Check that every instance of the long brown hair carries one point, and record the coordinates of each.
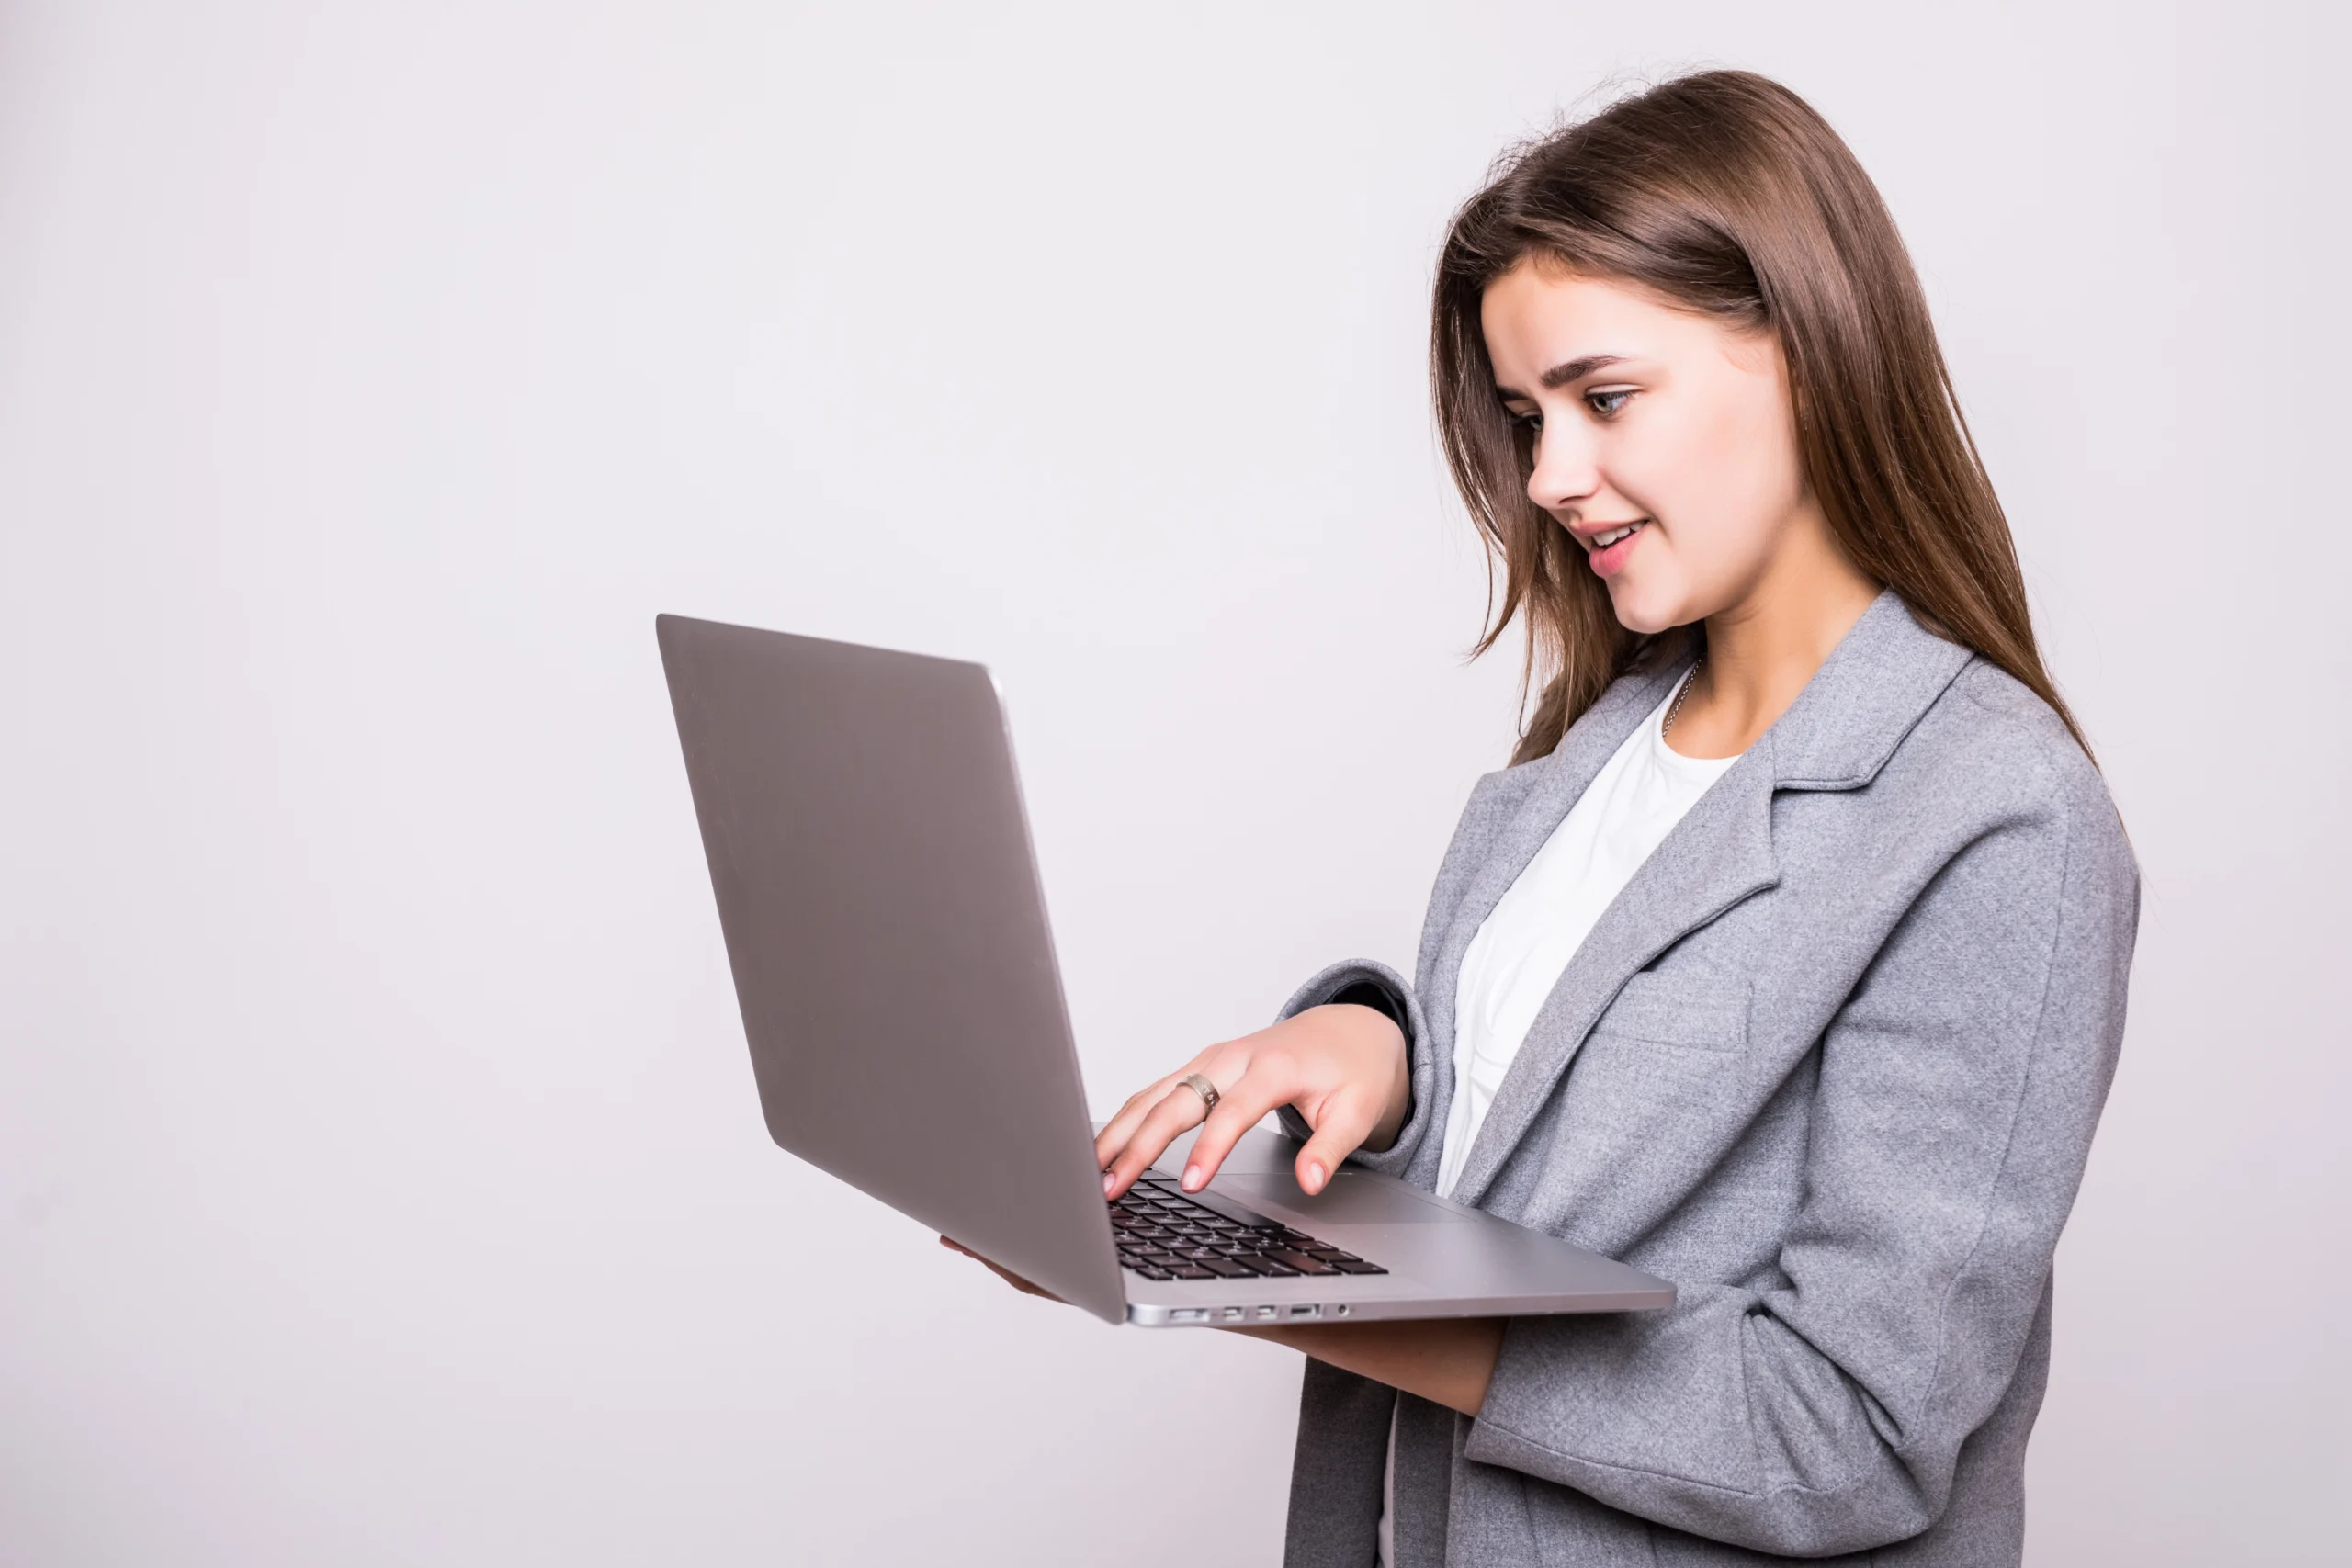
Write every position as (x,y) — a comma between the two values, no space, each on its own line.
(1725,192)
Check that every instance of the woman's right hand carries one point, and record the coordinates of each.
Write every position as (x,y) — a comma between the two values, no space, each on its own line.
(1345,1068)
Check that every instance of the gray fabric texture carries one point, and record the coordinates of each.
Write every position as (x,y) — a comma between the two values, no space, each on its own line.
(1831,1063)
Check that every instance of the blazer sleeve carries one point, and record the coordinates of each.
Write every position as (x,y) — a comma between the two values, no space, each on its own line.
(1334,983)
(1821,1408)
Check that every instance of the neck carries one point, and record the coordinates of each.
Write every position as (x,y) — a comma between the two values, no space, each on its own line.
(1762,650)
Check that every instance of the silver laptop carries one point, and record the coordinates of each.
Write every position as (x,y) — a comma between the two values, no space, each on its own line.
(888,934)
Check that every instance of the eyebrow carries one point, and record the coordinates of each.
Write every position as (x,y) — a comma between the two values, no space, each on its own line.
(1562,374)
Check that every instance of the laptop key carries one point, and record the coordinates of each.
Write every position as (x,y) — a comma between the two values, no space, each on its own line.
(1304,1264)
(1223,1268)
(1358,1265)
(1190,1271)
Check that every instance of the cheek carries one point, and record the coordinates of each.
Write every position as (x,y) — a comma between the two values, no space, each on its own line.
(1720,482)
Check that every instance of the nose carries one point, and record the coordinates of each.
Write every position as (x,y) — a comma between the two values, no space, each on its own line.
(1567,470)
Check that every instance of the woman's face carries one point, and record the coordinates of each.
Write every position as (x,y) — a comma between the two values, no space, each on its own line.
(1664,443)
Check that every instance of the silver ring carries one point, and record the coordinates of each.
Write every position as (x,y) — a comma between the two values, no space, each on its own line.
(1202,1087)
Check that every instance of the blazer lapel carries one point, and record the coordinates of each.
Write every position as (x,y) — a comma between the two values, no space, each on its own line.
(1565,774)
(1716,856)
(1837,734)
(1568,772)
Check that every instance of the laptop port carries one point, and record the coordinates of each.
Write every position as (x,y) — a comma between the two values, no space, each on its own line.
(1232,1315)
(1188,1315)
(1307,1309)
(1266,1312)
(1341,1309)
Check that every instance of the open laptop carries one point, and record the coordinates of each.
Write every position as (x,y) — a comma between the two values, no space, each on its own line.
(887,929)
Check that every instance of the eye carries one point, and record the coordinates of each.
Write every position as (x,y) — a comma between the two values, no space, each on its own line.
(1607,403)
(1530,421)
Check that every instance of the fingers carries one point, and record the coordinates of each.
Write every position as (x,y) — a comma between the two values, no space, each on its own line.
(1178,1111)
(1339,1065)
(1342,1120)
(1154,1118)
(1238,1109)
(1118,1132)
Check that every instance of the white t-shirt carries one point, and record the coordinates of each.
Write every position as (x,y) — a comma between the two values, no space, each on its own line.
(1515,960)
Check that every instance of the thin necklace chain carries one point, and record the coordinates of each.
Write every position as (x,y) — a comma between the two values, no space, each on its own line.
(1688,681)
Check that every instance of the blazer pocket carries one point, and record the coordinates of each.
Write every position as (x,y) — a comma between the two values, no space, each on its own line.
(1671,1009)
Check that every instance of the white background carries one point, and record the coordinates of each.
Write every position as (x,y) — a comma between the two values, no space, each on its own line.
(381,1178)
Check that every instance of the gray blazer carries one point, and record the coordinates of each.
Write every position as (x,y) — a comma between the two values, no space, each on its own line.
(1831,1063)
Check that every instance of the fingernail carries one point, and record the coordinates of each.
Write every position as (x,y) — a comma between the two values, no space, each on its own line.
(1110,1179)
(1192,1179)
(1314,1176)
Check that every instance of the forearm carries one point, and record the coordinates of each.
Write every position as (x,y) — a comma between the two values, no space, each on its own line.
(1448,1361)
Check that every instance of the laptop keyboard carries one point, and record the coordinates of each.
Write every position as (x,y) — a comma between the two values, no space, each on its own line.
(1165,1234)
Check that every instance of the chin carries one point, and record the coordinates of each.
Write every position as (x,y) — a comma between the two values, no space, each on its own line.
(1646,608)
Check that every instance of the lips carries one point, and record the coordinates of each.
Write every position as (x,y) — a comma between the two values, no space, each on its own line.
(1608,550)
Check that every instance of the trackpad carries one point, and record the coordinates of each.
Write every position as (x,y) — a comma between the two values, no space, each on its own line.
(1349,1199)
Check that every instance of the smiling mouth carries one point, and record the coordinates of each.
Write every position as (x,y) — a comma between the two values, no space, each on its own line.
(1597,542)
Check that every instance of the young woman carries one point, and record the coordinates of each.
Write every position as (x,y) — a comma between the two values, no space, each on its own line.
(1787,960)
